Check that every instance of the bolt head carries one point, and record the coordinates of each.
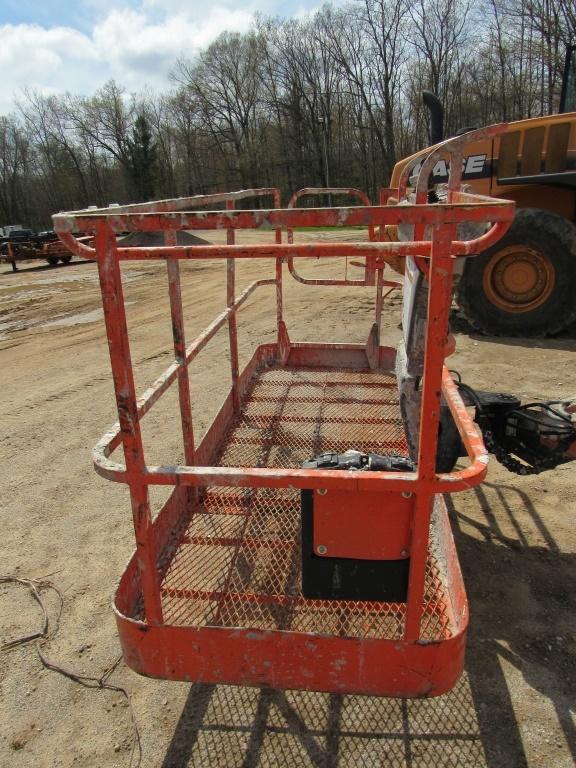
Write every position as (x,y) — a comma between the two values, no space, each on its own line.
(321,549)
(322,491)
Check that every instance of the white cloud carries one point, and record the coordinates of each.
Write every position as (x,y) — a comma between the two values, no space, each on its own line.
(136,46)
(192,9)
(132,43)
(135,42)
(46,59)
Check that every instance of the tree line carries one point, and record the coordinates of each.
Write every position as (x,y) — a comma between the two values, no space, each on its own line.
(333,99)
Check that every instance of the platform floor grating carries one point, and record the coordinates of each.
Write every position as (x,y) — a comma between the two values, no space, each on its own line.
(238,562)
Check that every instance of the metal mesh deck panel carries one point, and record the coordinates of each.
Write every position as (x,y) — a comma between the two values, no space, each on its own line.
(238,562)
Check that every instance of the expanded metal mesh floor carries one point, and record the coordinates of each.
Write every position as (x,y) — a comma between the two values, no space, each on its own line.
(231,726)
(238,562)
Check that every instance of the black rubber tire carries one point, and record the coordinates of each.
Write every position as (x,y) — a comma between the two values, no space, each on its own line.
(450,446)
(554,237)
(66,259)
(52,260)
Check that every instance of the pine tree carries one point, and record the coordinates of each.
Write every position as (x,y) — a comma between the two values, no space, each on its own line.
(142,150)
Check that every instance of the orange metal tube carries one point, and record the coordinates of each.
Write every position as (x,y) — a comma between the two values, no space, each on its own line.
(179,338)
(439,300)
(184,203)
(117,332)
(78,248)
(232,325)
(290,217)
(267,251)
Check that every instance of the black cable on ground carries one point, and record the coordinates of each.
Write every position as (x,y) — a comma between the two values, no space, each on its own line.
(35,587)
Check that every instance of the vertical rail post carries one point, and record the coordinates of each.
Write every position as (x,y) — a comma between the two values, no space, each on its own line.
(124,388)
(279,298)
(279,291)
(232,325)
(179,337)
(379,302)
(439,300)
(373,342)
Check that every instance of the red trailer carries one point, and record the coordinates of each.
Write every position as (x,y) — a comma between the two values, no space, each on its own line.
(228,583)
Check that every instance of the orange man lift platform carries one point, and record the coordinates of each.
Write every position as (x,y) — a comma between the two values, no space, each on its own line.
(264,567)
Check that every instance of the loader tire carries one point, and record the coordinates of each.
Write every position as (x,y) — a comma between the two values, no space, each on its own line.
(66,259)
(525,285)
(52,260)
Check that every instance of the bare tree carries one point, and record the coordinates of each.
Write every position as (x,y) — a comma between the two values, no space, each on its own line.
(441,39)
(331,98)
(14,152)
(225,84)
(57,149)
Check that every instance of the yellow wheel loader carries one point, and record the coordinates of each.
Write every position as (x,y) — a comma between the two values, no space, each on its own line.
(526,284)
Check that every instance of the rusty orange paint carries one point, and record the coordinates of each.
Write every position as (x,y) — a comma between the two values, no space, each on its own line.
(211,593)
(376,529)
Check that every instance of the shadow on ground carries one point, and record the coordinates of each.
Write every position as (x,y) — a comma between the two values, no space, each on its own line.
(35,267)
(519,598)
(564,340)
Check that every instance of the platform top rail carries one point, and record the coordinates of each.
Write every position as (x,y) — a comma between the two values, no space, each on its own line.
(180,213)
(424,218)
(174,204)
(461,207)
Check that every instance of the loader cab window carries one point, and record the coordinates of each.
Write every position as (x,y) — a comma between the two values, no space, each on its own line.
(568,96)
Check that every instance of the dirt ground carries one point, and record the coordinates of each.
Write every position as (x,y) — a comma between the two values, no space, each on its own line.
(514,705)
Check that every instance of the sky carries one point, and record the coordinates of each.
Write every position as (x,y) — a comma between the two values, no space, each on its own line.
(54,46)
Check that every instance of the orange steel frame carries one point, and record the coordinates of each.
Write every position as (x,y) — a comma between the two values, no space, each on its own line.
(406,662)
